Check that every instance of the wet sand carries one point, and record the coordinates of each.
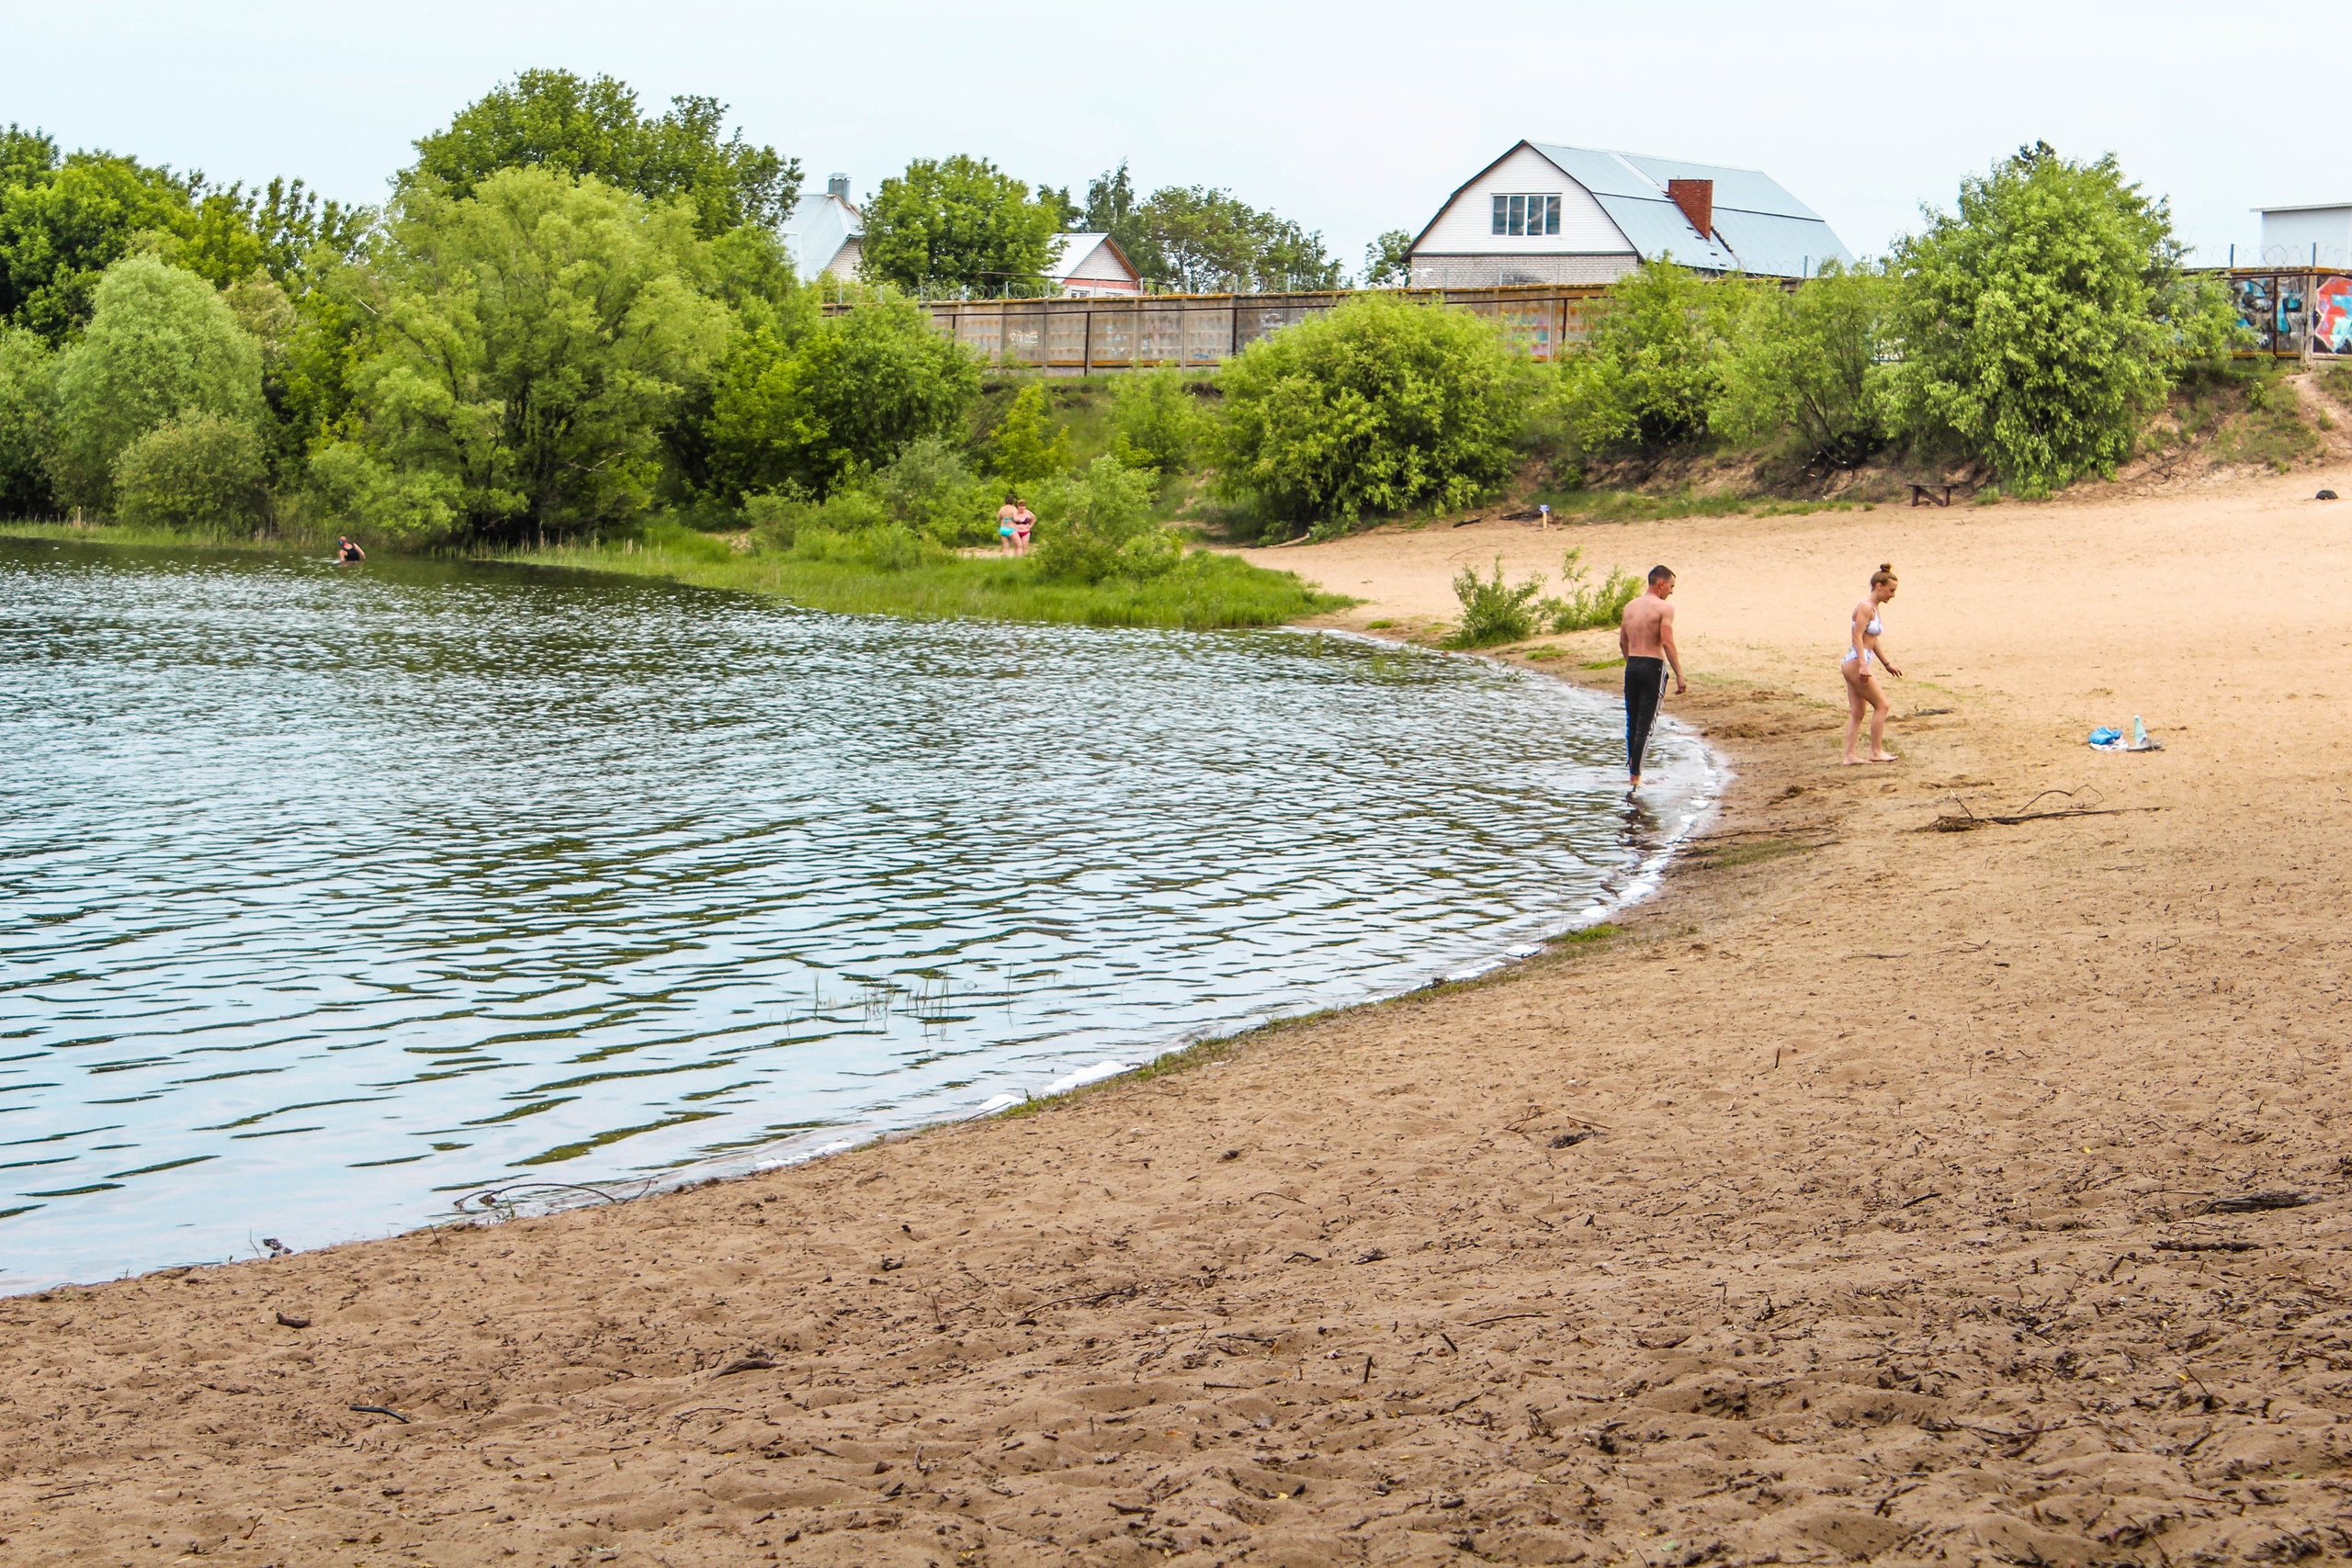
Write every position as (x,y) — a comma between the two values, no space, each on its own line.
(1855,1200)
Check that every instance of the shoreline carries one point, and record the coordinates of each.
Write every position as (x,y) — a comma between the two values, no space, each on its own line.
(1855,1198)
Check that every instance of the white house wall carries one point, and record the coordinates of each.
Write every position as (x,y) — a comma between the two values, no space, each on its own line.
(2287,238)
(1466,226)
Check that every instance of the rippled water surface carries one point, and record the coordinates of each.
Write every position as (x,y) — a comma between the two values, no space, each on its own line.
(335,894)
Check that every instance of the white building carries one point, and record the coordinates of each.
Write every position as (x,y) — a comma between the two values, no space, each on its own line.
(2314,236)
(825,234)
(1089,265)
(1542,213)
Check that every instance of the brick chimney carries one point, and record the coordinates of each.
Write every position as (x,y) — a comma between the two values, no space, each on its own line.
(1697,199)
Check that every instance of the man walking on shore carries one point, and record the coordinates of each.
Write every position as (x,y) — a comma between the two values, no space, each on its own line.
(1646,636)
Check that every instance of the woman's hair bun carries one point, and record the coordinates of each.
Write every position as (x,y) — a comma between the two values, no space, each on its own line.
(1886,566)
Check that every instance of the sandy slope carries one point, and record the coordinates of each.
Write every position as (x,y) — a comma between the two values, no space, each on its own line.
(1889,1238)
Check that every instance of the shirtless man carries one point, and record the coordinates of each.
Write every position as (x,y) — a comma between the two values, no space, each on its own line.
(1646,636)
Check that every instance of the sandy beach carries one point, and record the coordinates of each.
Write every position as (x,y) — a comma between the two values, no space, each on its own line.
(1874,1191)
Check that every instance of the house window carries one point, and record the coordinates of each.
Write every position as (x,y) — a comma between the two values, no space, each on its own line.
(1527,215)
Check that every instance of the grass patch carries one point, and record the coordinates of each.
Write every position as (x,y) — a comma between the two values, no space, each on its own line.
(1542,654)
(1633,506)
(1602,664)
(1588,935)
(1377,626)
(170,538)
(1754,852)
(1206,592)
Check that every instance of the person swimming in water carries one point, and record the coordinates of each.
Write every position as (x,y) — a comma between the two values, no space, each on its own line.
(1864,658)
(345,551)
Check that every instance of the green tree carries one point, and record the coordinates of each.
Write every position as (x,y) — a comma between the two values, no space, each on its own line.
(2044,320)
(283,229)
(1155,424)
(1096,523)
(1025,447)
(846,399)
(26,432)
(1652,363)
(535,337)
(162,344)
(1810,366)
(1388,260)
(959,222)
(64,223)
(555,120)
(1195,239)
(1380,405)
(204,472)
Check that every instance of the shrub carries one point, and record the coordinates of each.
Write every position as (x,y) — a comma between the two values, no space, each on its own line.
(1097,525)
(1585,606)
(161,345)
(2043,320)
(889,547)
(781,520)
(931,489)
(1154,422)
(366,494)
(1378,406)
(851,395)
(1493,611)
(1807,366)
(1652,365)
(202,472)
(1025,449)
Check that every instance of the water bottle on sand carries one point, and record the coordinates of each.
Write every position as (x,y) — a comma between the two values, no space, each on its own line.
(2139,733)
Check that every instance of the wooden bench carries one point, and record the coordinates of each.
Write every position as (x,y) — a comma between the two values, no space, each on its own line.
(1931,495)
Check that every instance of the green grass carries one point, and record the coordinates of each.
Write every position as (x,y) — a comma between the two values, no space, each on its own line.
(169,539)
(1208,591)
(1632,506)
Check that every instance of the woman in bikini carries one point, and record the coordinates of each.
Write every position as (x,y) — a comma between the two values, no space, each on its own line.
(1865,659)
(1023,521)
(1005,516)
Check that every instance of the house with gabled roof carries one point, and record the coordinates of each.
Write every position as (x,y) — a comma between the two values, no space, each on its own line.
(1545,213)
(1091,264)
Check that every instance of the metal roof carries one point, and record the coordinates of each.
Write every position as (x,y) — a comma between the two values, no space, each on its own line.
(1759,227)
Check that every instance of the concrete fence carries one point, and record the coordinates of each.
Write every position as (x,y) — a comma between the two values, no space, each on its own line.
(1082,336)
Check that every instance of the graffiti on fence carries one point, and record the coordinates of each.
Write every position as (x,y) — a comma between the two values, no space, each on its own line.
(2332,316)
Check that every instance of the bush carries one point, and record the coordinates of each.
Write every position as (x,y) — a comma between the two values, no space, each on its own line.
(160,345)
(1585,606)
(204,472)
(1808,366)
(851,396)
(1097,525)
(2044,321)
(1154,422)
(1493,611)
(931,489)
(1652,365)
(1378,406)
(1025,450)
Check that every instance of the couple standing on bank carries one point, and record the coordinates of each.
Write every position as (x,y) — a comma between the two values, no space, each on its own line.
(1646,636)
(1013,521)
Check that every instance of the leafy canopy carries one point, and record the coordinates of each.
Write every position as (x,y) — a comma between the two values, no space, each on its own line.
(2043,320)
(1097,524)
(958,222)
(1807,367)
(1377,406)
(1388,260)
(1154,422)
(162,344)
(555,120)
(1653,361)
(1195,239)
(535,337)
(26,424)
(202,472)
(1025,448)
(847,397)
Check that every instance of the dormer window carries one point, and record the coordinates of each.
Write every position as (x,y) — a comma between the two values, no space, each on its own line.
(1527,215)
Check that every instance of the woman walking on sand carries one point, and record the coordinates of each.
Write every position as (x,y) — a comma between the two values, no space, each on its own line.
(1864,658)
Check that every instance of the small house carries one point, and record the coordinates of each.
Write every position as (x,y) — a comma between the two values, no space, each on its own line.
(1545,213)
(1089,265)
(825,234)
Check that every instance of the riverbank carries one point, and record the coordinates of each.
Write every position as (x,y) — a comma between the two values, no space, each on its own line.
(1208,591)
(1856,1199)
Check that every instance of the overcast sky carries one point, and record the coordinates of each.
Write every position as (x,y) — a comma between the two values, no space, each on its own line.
(1351,118)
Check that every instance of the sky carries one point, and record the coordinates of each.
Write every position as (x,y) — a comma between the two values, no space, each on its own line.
(1350,120)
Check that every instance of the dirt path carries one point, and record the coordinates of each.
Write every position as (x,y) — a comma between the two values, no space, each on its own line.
(1856,1201)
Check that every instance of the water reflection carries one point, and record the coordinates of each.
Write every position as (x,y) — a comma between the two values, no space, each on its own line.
(333,893)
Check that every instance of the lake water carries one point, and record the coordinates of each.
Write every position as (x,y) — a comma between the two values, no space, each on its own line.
(337,895)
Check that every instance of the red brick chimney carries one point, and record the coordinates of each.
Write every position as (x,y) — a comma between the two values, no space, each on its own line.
(1697,199)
